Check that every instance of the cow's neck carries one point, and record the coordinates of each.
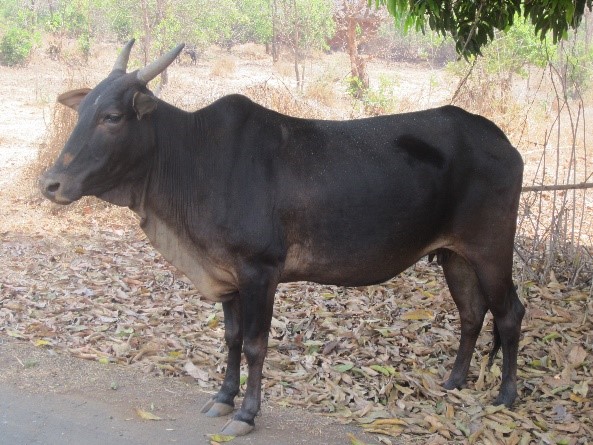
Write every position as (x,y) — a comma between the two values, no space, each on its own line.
(128,194)
(175,172)
(172,168)
(169,198)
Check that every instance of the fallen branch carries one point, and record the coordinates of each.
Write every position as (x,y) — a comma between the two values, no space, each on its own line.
(550,188)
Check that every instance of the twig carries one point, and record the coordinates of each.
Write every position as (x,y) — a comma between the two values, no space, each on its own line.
(558,187)
(19,360)
(463,82)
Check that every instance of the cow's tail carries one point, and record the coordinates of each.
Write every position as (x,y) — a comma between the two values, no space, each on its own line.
(495,345)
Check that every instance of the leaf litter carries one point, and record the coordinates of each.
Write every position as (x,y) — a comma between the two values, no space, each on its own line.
(375,355)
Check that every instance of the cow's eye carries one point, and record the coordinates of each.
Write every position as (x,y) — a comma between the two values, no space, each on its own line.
(113,118)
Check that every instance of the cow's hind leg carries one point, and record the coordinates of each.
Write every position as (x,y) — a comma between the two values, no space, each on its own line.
(508,312)
(223,402)
(472,305)
(494,269)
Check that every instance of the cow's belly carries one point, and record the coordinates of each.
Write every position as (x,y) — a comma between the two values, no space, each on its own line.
(363,248)
(212,281)
(350,269)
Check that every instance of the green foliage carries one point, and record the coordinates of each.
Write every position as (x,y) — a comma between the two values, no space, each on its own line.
(215,22)
(166,33)
(414,45)
(255,20)
(121,23)
(574,63)
(473,24)
(84,45)
(309,21)
(69,17)
(13,14)
(16,46)
(517,48)
(375,101)
(203,22)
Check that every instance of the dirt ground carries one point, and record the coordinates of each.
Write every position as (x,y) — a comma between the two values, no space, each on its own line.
(48,397)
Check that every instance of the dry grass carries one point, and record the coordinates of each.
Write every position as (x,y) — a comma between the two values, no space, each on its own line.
(223,66)
(284,68)
(492,97)
(282,100)
(322,91)
(62,123)
(251,51)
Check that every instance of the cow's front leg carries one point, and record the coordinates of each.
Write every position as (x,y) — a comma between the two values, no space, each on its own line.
(223,402)
(257,300)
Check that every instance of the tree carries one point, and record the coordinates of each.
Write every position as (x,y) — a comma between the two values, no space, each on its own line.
(303,25)
(472,24)
(358,21)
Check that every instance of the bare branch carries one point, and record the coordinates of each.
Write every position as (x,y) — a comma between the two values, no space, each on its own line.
(551,188)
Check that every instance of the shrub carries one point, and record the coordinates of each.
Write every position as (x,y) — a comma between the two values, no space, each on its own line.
(16,46)
(84,45)
(374,101)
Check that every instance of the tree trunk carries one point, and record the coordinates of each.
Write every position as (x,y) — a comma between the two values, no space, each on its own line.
(275,49)
(295,45)
(147,33)
(357,62)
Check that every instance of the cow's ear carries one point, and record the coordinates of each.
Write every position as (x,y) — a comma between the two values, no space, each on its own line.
(73,98)
(143,104)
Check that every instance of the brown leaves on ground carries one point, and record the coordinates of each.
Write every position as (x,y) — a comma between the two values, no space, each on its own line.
(373,355)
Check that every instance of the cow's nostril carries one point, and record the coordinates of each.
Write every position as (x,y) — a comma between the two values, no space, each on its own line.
(53,187)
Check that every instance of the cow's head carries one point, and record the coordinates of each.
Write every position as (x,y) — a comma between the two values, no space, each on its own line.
(113,136)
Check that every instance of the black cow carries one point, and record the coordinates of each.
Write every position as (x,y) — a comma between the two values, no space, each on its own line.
(241,198)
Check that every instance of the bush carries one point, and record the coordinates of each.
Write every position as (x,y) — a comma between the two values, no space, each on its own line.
(16,46)
(374,101)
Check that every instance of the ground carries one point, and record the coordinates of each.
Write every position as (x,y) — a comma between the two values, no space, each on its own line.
(85,284)
(51,398)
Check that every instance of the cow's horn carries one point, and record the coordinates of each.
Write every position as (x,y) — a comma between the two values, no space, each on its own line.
(122,60)
(149,72)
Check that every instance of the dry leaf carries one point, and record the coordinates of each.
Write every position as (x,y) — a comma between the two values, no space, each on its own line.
(145,415)
(418,314)
(221,438)
(195,372)
(577,355)
(354,440)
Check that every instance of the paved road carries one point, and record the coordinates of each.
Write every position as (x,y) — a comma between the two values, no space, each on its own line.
(48,398)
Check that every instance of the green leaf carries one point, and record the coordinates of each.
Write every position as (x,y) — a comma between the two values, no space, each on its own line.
(345,367)
(551,336)
(385,370)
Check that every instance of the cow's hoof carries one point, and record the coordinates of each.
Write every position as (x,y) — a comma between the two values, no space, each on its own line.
(506,399)
(216,409)
(236,428)
(452,384)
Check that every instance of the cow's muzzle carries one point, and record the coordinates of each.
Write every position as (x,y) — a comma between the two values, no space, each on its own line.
(52,187)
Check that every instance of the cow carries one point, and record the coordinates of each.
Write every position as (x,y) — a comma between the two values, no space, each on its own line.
(241,198)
